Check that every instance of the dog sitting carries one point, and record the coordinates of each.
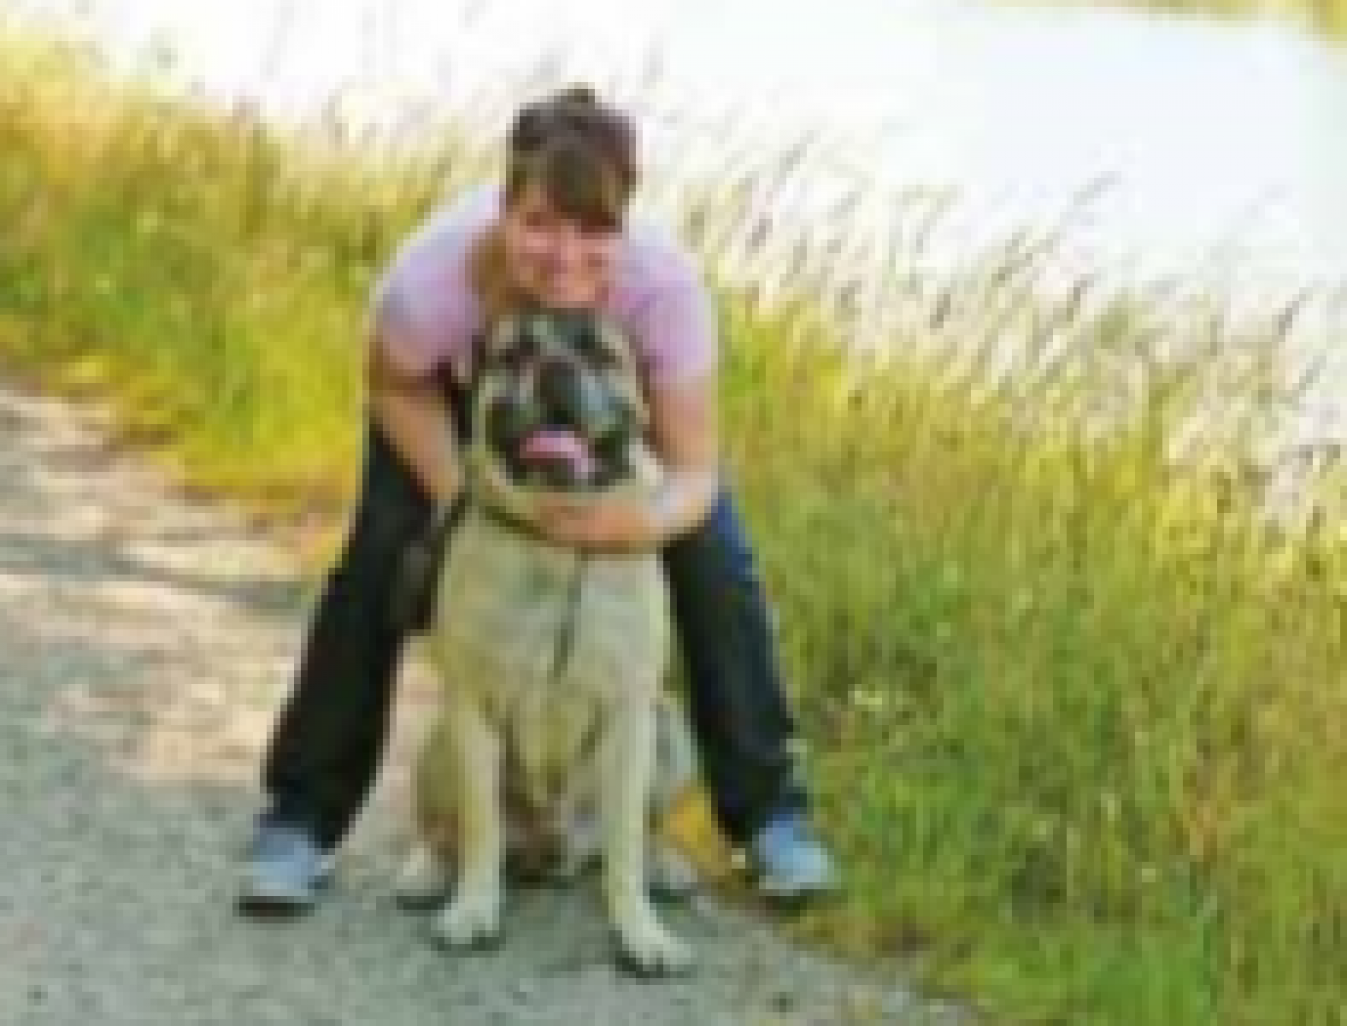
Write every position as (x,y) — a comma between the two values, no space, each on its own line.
(552,660)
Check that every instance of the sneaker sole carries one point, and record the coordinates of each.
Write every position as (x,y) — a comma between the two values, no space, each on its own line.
(796,895)
(263,901)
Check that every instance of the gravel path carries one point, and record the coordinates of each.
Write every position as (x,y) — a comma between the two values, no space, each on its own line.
(146,642)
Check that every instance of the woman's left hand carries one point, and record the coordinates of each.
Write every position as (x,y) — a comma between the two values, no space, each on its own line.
(627,520)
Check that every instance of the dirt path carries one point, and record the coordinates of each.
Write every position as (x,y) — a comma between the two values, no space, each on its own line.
(145,645)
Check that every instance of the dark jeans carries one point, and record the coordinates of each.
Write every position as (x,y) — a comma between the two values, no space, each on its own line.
(325,752)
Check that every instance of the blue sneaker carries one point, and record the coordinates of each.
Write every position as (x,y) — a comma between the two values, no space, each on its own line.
(286,871)
(790,862)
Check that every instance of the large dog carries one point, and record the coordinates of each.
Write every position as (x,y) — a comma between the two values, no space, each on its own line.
(552,660)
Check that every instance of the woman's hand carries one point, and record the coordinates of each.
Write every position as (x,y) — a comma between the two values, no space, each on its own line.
(635,520)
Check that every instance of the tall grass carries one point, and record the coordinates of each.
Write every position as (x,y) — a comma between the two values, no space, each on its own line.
(1075,713)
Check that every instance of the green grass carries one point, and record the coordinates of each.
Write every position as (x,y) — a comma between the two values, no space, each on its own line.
(1075,720)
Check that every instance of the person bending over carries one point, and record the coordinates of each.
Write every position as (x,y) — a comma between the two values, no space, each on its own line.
(554,232)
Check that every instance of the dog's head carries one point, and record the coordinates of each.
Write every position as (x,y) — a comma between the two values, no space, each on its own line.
(559,404)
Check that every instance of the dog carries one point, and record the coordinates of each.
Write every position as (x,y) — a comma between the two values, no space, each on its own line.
(554,717)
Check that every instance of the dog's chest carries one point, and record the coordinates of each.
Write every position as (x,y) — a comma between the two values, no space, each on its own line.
(547,643)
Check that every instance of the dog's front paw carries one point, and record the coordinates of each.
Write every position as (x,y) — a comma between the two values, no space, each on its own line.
(424,880)
(471,921)
(647,950)
(670,876)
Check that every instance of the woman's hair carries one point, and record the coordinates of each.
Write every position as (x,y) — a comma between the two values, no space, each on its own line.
(582,153)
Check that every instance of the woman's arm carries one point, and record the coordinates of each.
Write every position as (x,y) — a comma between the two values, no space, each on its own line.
(414,413)
(422,318)
(685,433)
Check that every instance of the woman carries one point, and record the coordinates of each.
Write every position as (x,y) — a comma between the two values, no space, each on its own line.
(555,234)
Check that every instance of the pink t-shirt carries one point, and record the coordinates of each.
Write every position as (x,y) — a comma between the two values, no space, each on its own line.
(658,297)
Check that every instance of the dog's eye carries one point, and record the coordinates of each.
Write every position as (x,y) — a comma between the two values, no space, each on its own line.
(512,349)
(511,356)
(596,348)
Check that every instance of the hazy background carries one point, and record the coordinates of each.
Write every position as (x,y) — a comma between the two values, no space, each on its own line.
(1218,141)
(1214,150)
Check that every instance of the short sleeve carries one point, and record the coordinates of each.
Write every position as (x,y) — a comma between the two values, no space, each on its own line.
(423,305)
(679,326)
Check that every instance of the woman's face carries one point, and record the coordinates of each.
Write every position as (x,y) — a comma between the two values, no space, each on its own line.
(552,258)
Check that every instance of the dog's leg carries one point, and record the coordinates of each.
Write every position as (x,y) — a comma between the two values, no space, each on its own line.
(627,761)
(426,877)
(423,882)
(472,919)
(580,828)
(672,877)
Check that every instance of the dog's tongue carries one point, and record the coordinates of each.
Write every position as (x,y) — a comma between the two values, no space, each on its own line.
(556,444)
